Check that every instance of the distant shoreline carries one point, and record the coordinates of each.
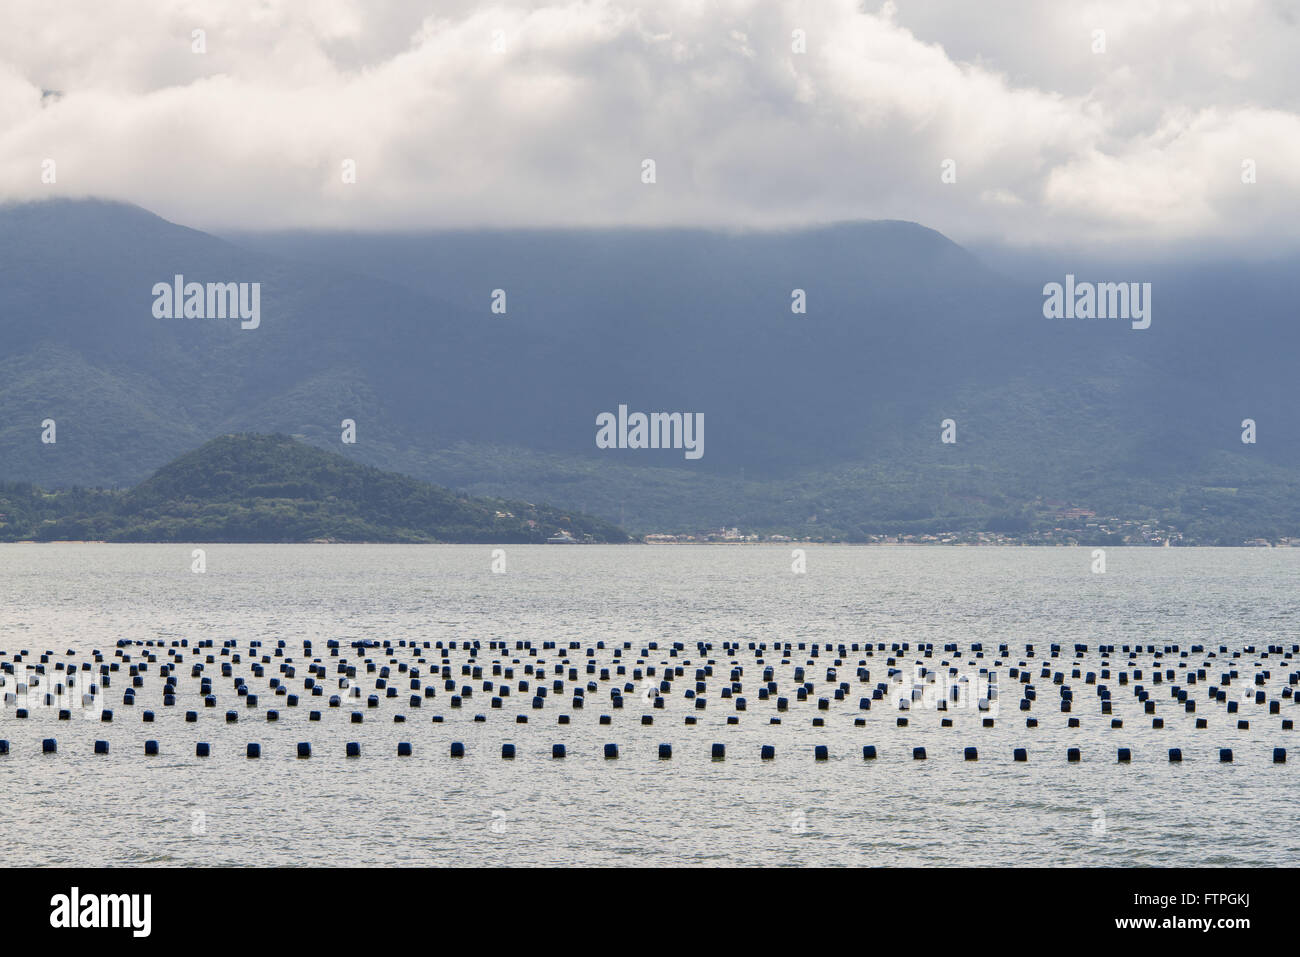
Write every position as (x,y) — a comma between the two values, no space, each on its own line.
(769,544)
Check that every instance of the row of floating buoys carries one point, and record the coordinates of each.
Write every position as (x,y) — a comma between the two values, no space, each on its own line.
(718,751)
(203,749)
(232,717)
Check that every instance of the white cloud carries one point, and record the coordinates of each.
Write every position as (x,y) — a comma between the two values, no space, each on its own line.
(1141,143)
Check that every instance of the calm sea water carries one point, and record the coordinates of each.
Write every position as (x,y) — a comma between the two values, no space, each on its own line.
(76,808)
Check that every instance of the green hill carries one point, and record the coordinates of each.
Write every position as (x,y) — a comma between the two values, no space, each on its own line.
(271,488)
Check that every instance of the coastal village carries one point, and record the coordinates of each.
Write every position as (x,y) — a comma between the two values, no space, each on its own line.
(1079,528)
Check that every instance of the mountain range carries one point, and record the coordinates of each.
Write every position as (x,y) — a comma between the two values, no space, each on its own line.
(826,423)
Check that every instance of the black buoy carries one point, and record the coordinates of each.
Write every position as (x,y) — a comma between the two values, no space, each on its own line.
(151,747)
(719,752)
(254,750)
(304,749)
(821,753)
(353,749)
(611,751)
(918,754)
(403,749)
(665,752)
(1072,754)
(1175,755)
(1225,755)
(557,751)
(1125,755)
(507,750)
(971,754)
(101,747)
(202,749)
(457,749)
(1279,755)
(49,746)
(767,752)
(868,752)
(1020,754)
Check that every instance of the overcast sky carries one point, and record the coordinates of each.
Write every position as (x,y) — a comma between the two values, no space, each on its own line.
(462,114)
